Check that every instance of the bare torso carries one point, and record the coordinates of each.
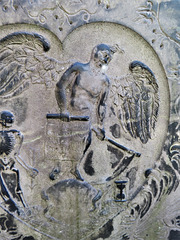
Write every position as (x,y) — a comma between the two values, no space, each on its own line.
(87,92)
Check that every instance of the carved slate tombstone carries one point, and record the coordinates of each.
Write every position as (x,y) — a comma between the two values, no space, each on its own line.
(89,117)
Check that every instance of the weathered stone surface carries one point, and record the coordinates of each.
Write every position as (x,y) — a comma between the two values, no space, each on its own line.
(89,115)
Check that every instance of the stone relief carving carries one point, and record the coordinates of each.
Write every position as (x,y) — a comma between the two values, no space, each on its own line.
(82,95)
(11,142)
(152,13)
(138,101)
(23,62)
(120,115)
(90,101)
(62,11)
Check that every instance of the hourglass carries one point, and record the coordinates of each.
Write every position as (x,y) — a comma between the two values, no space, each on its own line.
(120,196)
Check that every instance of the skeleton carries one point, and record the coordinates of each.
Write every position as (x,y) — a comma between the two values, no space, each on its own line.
(10,144)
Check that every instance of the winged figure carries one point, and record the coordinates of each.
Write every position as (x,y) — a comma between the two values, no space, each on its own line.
(135,96)
(24,61)
(84,89)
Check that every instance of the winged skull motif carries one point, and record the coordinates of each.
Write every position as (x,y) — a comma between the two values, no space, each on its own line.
(136,101)
(23,61)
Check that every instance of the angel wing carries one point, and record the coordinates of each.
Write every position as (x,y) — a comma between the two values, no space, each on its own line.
(23,61)
(138,102)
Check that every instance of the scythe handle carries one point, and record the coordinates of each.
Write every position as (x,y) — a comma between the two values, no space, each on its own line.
(122,147)
(66,117)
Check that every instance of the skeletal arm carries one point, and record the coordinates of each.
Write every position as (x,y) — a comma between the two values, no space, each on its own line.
(19,141)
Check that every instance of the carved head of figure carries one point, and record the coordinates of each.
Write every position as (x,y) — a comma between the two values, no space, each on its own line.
(6,119)
(102,55)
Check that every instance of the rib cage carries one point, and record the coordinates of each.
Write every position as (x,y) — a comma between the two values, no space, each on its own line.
(7,142)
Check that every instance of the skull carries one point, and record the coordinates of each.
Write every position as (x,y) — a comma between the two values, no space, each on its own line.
(6,119)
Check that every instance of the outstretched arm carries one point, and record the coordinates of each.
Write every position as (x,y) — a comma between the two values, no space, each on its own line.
(19,140)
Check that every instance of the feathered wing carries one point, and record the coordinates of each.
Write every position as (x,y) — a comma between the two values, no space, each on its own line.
(139,102)
(23,61)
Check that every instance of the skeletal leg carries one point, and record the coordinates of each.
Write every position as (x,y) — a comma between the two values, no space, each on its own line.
(6,195)
(18,189)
